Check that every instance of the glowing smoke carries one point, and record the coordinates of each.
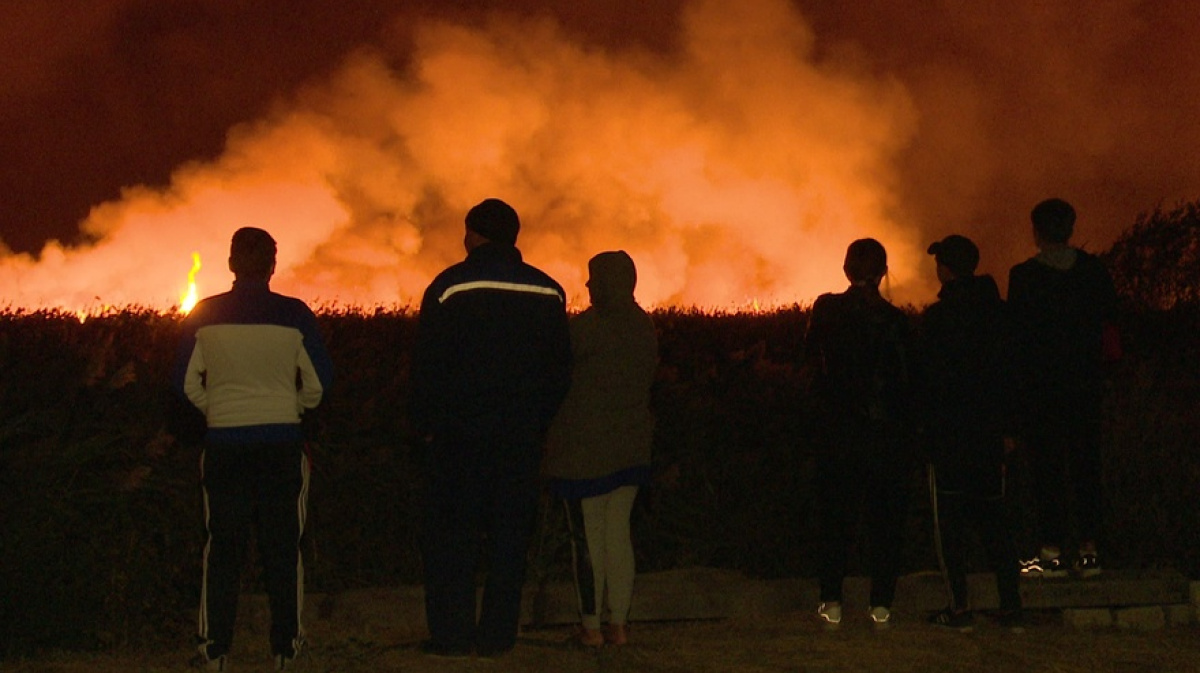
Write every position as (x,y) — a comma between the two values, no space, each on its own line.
(736,170)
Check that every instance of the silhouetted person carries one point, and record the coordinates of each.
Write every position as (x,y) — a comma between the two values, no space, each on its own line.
(598,448)
(858,350)
(252,361)
(491,366)
(1061,299)
(968,389)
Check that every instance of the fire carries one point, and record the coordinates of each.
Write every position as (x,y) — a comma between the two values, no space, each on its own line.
(187,300)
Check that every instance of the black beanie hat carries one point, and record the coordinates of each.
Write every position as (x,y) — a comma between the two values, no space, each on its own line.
(495,220)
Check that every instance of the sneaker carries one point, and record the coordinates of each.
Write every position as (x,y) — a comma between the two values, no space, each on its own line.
(961,620)
(616,634)
(831,612)
(433,648)
(1088,564)
(202,662)
(880,616)
(1013,620)
(1037,567)
(284,663)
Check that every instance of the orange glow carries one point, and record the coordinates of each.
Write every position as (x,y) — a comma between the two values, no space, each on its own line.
(187,301)
(738,167)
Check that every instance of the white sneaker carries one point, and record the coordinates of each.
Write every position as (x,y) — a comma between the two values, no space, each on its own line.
(880,616)
(831,612)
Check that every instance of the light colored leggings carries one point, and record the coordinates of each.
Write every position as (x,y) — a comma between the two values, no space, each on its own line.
(605,549)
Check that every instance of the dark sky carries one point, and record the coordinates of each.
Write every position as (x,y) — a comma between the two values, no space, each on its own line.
(994,105)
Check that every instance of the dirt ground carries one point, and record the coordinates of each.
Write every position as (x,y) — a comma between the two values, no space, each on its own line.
(795,642)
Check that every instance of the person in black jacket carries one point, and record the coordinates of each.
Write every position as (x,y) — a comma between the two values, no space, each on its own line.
(1062,299)
(857,351)
(966,350)
(491,367)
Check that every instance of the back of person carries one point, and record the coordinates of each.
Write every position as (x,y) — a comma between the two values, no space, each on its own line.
(493,356)
(861,342)
(1059,313)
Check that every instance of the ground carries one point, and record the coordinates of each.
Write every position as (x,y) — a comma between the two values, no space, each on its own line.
(793,642)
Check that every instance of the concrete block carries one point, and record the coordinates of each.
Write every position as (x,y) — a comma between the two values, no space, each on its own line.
(1181,614)
(1147,618)
(1088,618)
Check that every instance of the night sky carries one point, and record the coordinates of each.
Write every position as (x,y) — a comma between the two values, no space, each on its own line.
(920,118)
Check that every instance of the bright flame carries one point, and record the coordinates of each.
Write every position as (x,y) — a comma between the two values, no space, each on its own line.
(187,300)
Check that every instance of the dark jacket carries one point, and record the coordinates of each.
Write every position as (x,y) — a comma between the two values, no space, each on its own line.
(493,351)
(1059,311)
(966,365)
(858,348)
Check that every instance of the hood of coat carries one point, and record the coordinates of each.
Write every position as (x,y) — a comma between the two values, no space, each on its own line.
(612,277)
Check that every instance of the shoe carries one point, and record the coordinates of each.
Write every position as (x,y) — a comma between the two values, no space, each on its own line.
(831,612)
(616,634)
(433,648)
(962,621)
(1049,568)
(588,638)
(1013,620)
(1088,564)
(202,662)
(489,652)
(284,663)
(881,616)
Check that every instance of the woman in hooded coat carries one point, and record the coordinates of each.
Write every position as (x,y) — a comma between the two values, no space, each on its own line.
(598,447)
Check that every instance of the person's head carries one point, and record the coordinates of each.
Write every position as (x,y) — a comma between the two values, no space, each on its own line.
(252,254)
(1053,222)
(866,262)
(492,220)
(611,278)
(956,257)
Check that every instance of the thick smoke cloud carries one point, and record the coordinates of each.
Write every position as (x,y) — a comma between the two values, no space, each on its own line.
(734,150)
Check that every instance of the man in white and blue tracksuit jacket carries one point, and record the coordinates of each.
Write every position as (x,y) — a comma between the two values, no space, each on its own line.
(491,368)
(252,361)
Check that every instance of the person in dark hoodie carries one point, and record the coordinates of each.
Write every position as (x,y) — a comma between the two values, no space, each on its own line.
(857,354)
(598,448)
(965,352)
(491,366)
(1062,300)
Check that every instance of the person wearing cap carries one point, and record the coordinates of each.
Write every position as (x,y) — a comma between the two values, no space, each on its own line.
(857,355)
(598,448)
(490,368)
(968,388)
(252,361)
(1063,301)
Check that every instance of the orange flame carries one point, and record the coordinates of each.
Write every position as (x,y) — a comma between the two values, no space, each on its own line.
(187,300)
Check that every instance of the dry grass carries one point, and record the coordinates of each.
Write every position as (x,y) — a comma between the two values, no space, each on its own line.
(793,643)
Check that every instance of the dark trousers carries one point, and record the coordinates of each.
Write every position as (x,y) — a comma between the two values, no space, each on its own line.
(263,487)
(849,482)
(1063,450)
(958,515)
(481,501)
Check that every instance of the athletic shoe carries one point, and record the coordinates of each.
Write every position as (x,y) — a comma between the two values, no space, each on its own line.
(1049,568)
(1088,564)
(961,620)
(831,612)
(202,662)
(880,616)
(1013,620)
(435,649)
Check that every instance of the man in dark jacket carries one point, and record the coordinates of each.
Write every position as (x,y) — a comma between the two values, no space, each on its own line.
(491,367)
(1061,300)
(968,392)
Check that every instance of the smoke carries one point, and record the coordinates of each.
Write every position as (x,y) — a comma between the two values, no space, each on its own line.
(733,149)
(734,170)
